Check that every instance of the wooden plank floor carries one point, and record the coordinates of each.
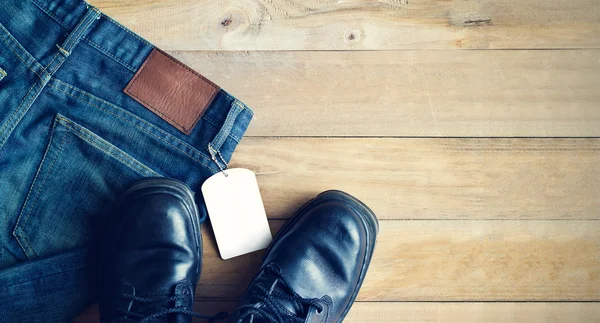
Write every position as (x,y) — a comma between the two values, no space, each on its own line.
(472,128)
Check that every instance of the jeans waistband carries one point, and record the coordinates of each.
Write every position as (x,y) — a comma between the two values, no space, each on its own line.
(71,23)
(105,34)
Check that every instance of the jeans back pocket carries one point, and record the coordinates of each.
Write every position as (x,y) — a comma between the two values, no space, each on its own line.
(76,185)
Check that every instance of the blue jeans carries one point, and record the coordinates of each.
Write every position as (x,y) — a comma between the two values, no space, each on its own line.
(72,138)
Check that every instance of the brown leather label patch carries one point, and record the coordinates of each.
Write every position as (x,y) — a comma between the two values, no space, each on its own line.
(171,90)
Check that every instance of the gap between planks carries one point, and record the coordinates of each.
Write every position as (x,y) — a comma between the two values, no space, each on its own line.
(412,93)
(461,260)
(432,178)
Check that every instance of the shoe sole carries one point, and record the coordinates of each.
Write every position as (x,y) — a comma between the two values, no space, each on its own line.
(366,215)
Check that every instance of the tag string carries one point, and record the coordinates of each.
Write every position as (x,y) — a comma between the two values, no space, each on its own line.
(214,158)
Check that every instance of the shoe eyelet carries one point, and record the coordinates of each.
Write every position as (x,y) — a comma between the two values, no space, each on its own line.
(319,311)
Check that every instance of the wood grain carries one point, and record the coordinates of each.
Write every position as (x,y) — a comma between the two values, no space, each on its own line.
(412,93)
(399,312)
(431,178)
(452,261)
(360,25)
(388,312)
(472,229)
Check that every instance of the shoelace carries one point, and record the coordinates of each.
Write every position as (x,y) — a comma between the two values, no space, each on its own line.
(151,303)
(270,309)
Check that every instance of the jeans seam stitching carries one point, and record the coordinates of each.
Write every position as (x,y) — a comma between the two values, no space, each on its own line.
(128,160)
(20,58)
(214,124)
(37,193)
(132,163)
(128,31)
(52,61)
(220,135)
(73,36)
(59,64)
(48,275)
(229,124)
(9,121)
(128,121)
(107,53)
(39,6)
(80,29)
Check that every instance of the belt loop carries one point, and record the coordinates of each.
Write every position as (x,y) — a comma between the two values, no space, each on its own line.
(215,145)
(64,50)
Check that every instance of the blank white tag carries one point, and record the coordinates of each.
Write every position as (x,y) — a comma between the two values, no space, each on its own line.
(236,212)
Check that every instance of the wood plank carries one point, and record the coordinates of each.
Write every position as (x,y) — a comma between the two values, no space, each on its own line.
(452,261)
(412,93)
(431,178)
(360,25)
(388,312)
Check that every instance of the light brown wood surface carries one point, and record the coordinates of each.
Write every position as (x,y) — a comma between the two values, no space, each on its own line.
(454,260)
(388,312)
(432,178)
(374,97)
(412,93)
(416,312)
(359,24)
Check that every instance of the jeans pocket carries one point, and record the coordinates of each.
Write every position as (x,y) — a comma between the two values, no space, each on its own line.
(76,185)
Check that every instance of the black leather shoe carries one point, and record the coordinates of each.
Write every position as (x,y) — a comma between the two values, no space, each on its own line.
(315,266)
(150,264)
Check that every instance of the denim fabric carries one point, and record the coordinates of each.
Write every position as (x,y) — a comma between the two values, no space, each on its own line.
(71,141)
(55,289)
